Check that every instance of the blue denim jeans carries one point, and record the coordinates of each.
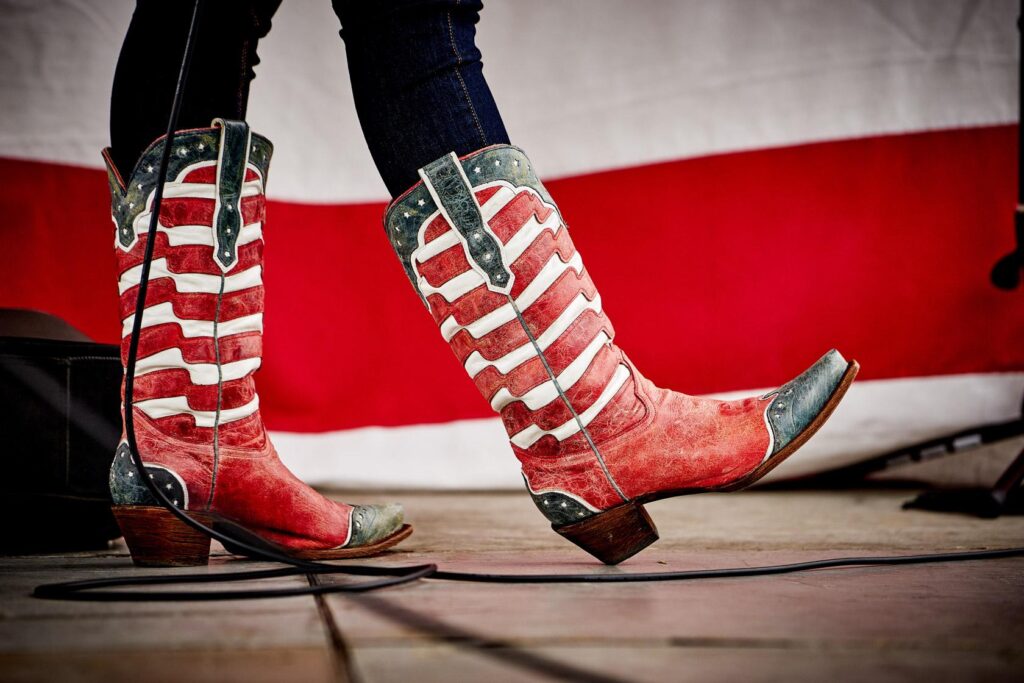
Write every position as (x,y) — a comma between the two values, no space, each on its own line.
(418,82)
(416,76)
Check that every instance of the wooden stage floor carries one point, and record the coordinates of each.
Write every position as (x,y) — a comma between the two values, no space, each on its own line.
(959,622)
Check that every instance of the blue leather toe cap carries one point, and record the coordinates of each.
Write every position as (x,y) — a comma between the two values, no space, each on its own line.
(373,523)
(798,402)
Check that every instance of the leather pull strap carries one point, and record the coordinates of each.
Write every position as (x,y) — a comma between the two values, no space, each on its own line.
(232,161)
(451,190)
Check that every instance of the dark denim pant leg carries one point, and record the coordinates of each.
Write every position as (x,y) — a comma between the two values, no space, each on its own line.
(418,82)
(147,69)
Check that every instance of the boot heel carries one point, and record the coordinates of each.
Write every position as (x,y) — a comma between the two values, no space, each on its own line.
(613,535)
(156,538)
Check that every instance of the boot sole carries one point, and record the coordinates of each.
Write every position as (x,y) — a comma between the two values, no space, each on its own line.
(618,533)
(404,532)
(157,538)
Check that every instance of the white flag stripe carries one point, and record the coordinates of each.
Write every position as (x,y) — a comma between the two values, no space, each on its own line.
(545,393)
(436,245)
(875,419)
(497,201)
(551,271)
(163,313)
(453,289)
(826,70)
(199,373)
(521,241)
(157,408)
(533,433)
(201,235)
(476,363)
(172,190)
(191,283)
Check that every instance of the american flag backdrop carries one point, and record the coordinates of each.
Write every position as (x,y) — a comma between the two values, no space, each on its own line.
(749,184)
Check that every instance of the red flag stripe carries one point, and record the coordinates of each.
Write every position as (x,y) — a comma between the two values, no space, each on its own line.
(721,273)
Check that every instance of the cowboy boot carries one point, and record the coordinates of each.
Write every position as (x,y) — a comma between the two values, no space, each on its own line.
(486,248)
(196,412)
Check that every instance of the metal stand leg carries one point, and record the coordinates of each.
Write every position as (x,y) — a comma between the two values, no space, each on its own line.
(1005,498)
(1007,272)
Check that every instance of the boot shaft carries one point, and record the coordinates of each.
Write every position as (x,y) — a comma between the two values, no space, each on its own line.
(487,250)
(201,339)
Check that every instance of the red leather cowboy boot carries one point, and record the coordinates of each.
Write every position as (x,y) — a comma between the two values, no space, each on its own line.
(486,248)
(196,411)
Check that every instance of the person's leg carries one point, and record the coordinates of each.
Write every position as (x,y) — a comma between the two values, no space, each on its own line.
(195,411)
(418,82)
(486,248)
(150,59)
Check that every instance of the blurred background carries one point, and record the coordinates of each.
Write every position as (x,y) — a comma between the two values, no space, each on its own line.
(751,184)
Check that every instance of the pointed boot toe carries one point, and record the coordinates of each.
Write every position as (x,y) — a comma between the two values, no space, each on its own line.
(798,405)
(374,523)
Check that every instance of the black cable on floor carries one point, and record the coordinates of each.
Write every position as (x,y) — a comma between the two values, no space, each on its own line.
(92,589)
(250,545)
